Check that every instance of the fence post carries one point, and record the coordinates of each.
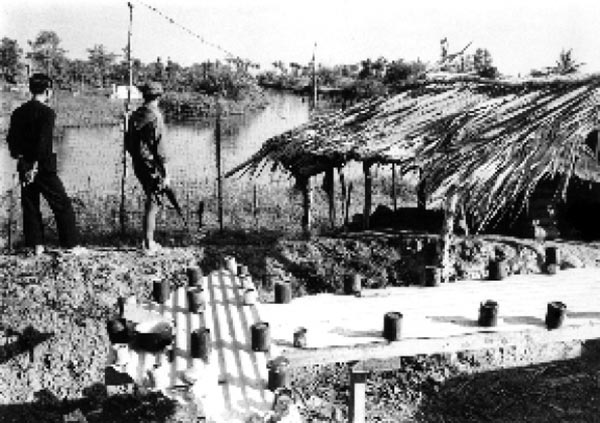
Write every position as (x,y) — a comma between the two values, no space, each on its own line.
(218,160)
(358,397)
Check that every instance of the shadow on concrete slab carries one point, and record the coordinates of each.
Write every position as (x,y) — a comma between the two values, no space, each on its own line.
(583,314)
(457,320)
(357,333)
(523,320)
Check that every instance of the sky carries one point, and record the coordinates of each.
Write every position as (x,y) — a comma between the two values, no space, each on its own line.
(520,34)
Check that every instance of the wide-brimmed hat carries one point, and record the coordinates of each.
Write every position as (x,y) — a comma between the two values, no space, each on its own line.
(152,88)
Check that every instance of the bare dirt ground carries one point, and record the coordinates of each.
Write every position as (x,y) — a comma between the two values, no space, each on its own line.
(54,309)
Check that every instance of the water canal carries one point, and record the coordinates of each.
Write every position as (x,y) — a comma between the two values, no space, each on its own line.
(89,159)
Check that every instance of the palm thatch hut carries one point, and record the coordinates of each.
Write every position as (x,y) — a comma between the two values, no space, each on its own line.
(483,144)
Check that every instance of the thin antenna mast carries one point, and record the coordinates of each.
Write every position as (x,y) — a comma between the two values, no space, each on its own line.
(129,56)
(314,77)
(122,211)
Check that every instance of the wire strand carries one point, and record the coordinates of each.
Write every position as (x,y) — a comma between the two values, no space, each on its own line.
(189,31)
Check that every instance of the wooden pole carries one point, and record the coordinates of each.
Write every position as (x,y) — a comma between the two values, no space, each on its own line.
(394,199)
(368,195)
(447,231)
(597,149)
(219,170)
(122,211)
(314,77)
(347,205)
(200,214)
(343,193)
(305,187)
(330,189)
(255,205)
(129,63)
(358,397)
(421,195)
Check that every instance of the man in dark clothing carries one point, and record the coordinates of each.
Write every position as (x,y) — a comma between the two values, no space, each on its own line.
(30,142)
(145,144)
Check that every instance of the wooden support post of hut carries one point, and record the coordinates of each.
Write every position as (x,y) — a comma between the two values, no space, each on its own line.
(421,195)
(304,184)
(447,230)
(368,198)
(394,199)
(329,186)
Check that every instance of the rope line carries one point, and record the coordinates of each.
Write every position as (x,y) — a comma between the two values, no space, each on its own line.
(189,31)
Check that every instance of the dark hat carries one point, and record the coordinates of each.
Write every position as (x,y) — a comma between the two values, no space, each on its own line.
(152,88)
(38,82)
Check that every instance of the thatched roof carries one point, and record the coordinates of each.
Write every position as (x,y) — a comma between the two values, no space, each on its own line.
(492,140)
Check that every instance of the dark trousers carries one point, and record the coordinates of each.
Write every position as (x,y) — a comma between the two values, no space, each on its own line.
(51,187)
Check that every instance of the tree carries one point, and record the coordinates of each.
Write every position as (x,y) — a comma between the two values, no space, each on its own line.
(279,65)
(327,76)
(101,62)
(159,70)
(482,62)
(565,63)
(173,71)
(379,67)
(295,68)
(366,70)
(10,59)
(46,55)
(79,73)
(400,71)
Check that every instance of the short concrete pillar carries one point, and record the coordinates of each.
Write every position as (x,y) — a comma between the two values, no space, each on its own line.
(555,314)
(358,397)
(488,314)
(193,275)
(300,338)
(283,293)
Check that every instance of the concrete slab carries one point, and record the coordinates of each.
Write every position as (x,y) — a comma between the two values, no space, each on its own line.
(435,319)
(233,383)
(242,372)
(166,369)
(347,328)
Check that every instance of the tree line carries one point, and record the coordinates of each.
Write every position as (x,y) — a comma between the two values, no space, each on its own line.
(103,68)
(231,78)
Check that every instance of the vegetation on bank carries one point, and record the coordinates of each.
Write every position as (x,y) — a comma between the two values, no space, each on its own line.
(85,86)
(381,76)
(93,109)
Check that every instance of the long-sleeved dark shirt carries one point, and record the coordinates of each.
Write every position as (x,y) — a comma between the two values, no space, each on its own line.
(30,134)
